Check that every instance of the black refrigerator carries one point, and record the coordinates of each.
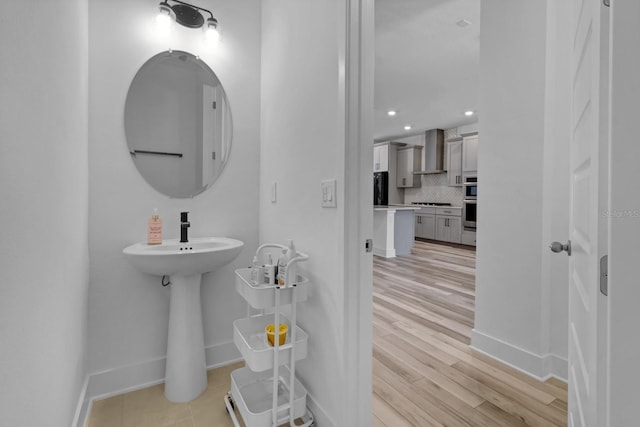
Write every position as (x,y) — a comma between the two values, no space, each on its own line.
(381,188)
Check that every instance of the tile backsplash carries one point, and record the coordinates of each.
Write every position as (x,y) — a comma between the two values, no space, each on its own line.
(435,188)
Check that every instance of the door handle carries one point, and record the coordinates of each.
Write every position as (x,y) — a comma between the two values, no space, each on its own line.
(558,247)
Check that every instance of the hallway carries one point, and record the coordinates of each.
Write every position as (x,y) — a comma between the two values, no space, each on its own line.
(424,372)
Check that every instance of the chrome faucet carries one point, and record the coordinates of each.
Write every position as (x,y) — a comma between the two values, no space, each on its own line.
(184,226)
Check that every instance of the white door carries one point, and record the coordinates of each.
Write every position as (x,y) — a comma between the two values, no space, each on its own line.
(589,116)
(213,110)
(209,126)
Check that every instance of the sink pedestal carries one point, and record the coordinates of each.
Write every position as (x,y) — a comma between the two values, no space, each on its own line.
(186,370)
(184,263)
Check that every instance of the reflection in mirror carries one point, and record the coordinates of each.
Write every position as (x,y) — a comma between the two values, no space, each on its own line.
(178,124)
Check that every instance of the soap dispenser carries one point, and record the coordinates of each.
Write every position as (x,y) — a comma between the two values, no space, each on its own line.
(154,229)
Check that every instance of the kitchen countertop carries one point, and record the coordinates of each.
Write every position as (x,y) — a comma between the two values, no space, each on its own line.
(441,207)
(396,207)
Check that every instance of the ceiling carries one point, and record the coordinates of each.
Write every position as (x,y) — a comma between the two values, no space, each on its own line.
(426,66)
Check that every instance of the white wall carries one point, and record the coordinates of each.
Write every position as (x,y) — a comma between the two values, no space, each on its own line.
(624,223)
(128,311)
(521,291)
(43,211)
(556,179)
(303,143)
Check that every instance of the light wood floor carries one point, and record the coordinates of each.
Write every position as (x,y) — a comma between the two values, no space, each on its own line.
(424,372)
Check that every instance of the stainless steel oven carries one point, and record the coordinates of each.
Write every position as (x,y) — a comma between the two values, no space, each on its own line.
(470,202)
(469,212)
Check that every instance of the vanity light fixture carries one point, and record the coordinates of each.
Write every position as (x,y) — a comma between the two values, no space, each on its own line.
(189,16)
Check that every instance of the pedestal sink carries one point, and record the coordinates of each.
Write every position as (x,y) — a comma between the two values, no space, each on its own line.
(184,263)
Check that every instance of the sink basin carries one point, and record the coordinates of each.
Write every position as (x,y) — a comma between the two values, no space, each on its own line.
(184,263)
(199,255)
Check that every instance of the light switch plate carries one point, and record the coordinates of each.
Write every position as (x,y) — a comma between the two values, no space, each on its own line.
(328,193)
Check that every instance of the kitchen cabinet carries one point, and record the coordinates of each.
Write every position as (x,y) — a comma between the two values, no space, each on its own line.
(409,161)
(468,238)
(449,224)
(448,229)
(425,226)
(454,166)
(381,158)
(470,153)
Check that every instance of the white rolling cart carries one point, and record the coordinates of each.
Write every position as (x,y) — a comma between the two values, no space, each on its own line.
(266,390)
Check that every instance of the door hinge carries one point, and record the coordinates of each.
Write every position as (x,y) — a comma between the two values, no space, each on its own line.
(213,105)
(213,155)
(368,245)
(604,275)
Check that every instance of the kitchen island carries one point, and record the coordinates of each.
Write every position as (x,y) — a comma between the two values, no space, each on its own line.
(393,230)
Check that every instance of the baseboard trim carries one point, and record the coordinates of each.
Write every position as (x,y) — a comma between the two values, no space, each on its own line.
(384,253)
(541,367)
(123,379)
(319,414)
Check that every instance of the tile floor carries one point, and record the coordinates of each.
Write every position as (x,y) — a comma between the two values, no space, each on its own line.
(149,408)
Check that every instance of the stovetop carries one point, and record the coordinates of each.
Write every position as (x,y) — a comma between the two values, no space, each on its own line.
(431,204)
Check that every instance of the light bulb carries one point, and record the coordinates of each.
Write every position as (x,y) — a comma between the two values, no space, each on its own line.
(391,113)
(211,32)
(407,127)
(468,113)
(164,18)
(212,35)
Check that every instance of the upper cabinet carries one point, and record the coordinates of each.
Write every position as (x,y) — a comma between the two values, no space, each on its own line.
(470,153)
(454,163)
(381,158)
(409,161)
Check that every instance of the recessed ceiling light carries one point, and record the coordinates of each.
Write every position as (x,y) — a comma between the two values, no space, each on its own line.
(463,23)
(391,113)
(407,127)
(468,113)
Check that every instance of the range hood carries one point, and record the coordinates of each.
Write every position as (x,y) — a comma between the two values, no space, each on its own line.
(433,152)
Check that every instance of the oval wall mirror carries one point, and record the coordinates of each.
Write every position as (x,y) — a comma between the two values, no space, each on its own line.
(178,124)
